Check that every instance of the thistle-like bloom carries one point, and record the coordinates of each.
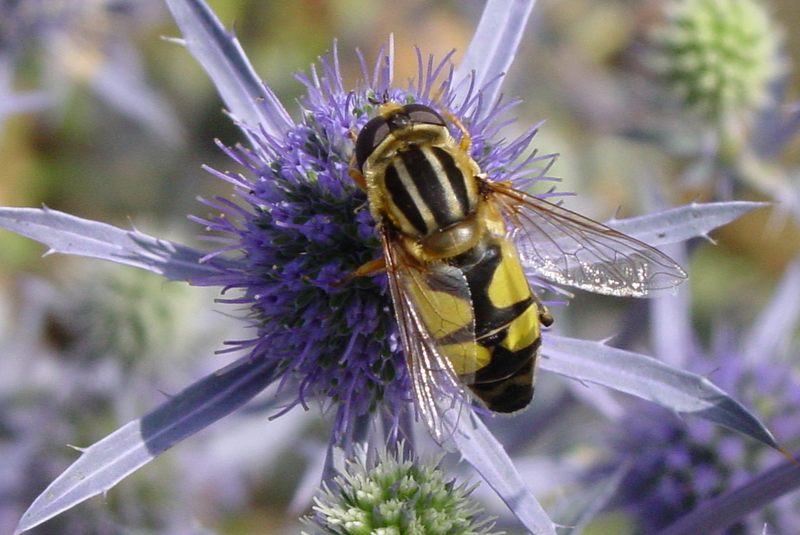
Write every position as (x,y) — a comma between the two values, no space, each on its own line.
(305,227)
(676,466)
(126,315)
(396,494)
(298,226)
(718,57)
(722,61)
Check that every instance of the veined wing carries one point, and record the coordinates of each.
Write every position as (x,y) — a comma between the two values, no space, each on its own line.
(568,248)
(437,329)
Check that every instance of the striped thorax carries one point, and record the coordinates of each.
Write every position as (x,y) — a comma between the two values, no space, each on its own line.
(420,180)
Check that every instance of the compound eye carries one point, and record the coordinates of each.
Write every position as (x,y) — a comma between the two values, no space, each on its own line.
(420,113)
(373,133)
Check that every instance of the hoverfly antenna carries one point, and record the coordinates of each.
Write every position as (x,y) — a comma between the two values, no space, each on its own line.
(378,101)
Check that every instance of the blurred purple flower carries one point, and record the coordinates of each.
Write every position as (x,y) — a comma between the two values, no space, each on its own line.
(61,384)
(676,465)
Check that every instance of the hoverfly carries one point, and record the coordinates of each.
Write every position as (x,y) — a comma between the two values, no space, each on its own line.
(456,245)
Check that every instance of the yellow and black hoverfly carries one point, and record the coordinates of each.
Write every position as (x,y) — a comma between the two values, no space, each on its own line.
(456,245)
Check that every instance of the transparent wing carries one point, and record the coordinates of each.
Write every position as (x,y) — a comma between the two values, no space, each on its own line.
(568,248)
(437,330)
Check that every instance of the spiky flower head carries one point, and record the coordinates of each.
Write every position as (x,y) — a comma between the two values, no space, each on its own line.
(303,227)
(718,56)
(393,495)
(678,464)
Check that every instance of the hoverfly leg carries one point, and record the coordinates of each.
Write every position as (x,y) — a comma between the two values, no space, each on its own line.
(545,318)
(369,268)
(354,173)
(358,178)
(466,140)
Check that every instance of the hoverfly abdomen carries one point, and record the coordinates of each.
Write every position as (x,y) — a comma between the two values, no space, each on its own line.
(507,324)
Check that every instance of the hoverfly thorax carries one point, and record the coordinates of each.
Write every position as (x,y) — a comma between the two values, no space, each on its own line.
(419,180)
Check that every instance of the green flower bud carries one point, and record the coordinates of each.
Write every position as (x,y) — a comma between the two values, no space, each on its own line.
(718,56)
(394,496)
(125,312)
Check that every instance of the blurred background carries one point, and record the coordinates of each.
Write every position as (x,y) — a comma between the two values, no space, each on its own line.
(118,122)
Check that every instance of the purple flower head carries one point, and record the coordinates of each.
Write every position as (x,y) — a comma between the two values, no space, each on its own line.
(298,226)
(303,226)
(676,465)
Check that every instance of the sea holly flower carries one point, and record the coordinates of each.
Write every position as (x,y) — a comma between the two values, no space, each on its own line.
(718,58)
(722,62)
(685,477)
(74,42)
(65,380)
(297,226)
(396,493)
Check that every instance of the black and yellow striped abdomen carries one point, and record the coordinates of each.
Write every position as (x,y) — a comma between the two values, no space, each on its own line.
(493,347)
(507,325)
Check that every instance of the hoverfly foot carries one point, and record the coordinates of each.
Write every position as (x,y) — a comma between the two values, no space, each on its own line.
(369,268)
(545,318)
(466,139)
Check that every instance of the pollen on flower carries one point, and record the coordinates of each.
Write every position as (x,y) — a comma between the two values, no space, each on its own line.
(302,227)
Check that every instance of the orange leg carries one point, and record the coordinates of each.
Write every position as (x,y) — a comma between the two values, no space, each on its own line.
(355,174)
(368,268)
(358,178)
(466,140)
(371,267)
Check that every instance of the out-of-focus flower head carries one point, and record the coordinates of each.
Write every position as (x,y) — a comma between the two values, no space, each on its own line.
(396,494)
(718,57)
(63,384)
(123,314)
(724,63)
(676,465)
